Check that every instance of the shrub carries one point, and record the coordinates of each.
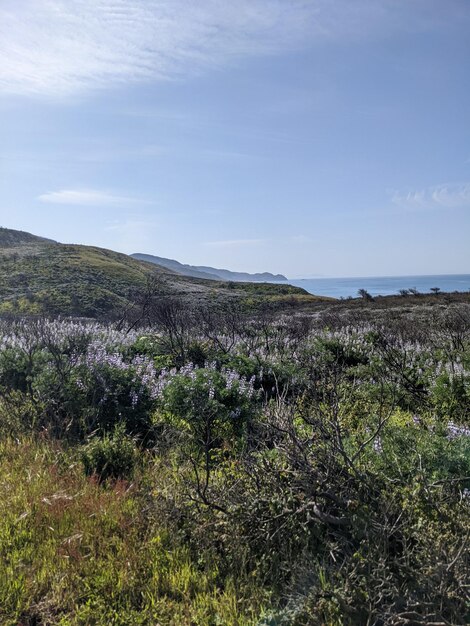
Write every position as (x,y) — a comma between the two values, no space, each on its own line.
(364,294)
(111,456)
(451,396)
(212,406)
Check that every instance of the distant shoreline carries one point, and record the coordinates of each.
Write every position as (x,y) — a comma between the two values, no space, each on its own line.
(383,285)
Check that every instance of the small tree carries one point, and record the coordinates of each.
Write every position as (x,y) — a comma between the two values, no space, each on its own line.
(364,294)
(435,290)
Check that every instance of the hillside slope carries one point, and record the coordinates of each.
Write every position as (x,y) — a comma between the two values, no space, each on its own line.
(15,239)
(203,271)
(39,276)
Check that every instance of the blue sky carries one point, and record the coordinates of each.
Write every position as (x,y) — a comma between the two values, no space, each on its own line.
(308,137)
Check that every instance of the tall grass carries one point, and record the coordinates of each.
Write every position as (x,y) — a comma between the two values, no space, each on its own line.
(74,551)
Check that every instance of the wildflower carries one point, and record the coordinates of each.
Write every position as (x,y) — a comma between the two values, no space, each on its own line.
(454,431)
(134,398)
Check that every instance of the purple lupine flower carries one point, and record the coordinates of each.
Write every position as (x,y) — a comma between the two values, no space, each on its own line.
(134,398)
(454,431)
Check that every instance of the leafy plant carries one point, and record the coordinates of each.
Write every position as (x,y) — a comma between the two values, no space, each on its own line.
(113,455)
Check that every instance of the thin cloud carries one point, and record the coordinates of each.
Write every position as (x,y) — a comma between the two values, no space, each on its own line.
(446,196)
(62,47)
(88,198)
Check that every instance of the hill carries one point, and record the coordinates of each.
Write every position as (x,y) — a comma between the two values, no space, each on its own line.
(17,238)
(203,271)
(176,266)
(40,276)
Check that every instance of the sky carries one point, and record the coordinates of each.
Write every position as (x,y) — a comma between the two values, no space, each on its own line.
(306,137)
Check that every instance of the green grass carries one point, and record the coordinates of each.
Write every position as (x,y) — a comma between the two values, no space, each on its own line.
(73,551)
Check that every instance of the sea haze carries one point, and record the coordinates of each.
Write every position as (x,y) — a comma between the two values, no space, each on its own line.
(382,285)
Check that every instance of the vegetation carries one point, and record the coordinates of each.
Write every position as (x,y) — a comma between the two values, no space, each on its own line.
(209,466)
(39,276)
(364,294)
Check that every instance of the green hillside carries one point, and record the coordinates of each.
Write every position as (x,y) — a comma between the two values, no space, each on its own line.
(13,238)
(40,276)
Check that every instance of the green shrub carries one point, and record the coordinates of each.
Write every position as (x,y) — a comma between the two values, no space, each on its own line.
(111,456)
(451,397)
(213,407)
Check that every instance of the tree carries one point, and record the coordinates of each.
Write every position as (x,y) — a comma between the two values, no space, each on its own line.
(364,294)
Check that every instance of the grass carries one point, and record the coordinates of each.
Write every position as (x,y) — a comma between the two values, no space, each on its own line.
(74,552)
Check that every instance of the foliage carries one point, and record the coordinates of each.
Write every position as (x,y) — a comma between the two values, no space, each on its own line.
(285,469)
(196,397)
(112,456)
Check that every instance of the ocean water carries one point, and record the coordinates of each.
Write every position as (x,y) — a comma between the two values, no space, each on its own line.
(382,286)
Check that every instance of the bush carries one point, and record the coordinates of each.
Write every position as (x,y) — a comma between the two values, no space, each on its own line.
(111,456)
(212,406)
(451,397)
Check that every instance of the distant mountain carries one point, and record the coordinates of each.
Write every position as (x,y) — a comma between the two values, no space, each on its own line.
(260,277)
(40,276)
(176,266)
(213,273)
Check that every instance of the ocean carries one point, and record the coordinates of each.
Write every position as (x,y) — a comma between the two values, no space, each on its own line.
(382,285)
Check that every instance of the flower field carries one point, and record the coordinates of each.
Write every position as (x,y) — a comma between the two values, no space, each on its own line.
(209,468)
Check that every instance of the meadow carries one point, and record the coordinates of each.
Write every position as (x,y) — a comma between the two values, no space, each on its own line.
(215,467)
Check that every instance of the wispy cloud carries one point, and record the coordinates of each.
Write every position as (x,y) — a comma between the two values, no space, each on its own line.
(61,47)
(235,243)
(447,196)
(89,198)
